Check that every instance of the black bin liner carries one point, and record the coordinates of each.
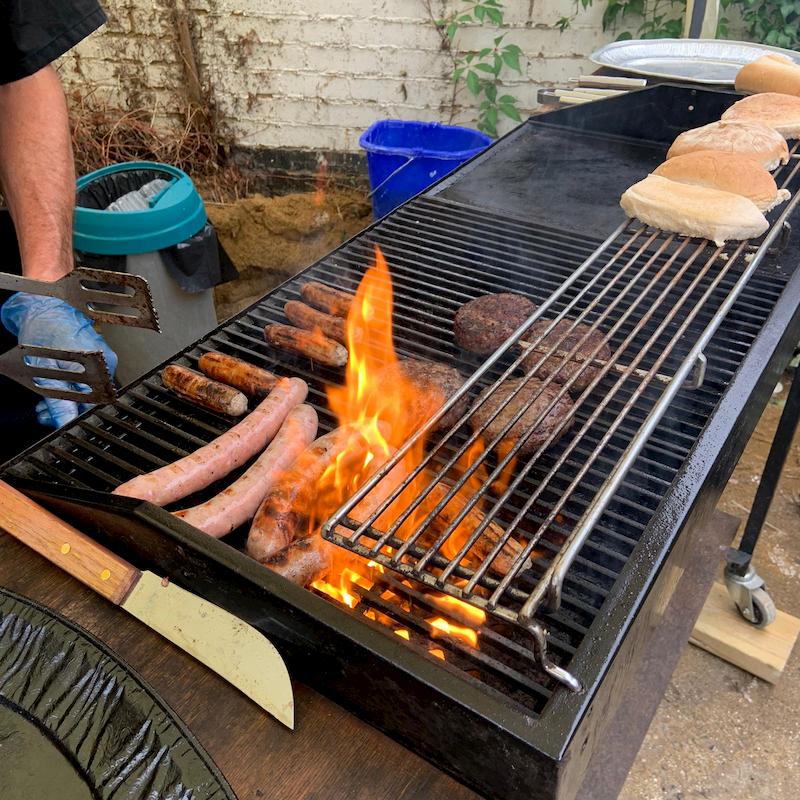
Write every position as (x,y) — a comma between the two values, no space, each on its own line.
(195,264)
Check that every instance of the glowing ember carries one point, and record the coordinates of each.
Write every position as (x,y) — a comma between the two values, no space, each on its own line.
(440,626)
(437,653)
(403,634)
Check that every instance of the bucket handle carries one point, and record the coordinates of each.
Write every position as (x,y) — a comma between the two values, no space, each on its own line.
(391,175)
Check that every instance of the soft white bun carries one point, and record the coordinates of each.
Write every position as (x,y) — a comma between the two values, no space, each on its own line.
(778,111)
(753,139)
(728,172)
(770,73)
(693,210)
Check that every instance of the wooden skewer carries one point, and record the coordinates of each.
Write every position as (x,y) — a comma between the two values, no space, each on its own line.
(612,82)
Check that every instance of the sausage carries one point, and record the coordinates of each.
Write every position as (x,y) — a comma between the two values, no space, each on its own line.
(238,503)
(202,391)
(307,343)
(304,316)
(283,516)
(326,298)
(303,561)
(491,534)
(251,380)
(222,455)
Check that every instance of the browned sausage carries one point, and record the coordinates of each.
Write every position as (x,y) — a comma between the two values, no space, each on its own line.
(238,503)
(222,455)
(307,343)
(283,516)
(489,537)
(202,391)
(252,380)
(304,316)
(326,298)
(303,561)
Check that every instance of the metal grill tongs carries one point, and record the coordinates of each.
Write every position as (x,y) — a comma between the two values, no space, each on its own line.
(113,298)
(658,299)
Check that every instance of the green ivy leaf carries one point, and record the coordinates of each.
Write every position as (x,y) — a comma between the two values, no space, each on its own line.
(490,90)
(512,60)
(510,111)
(485,52)
(473,82)
(498,64)
(507,98)
(485,68)
(480,13)
(452,30)
(610,15)
(495,15)
(624,36)
(491,116)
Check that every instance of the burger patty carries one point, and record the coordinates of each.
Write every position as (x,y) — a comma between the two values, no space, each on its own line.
(434,384)
(577,365)
(483,324)
(535,405)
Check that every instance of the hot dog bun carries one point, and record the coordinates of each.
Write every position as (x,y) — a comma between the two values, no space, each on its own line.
(753,139)
(778,111)
(728,172)
(770,73)
(693,210)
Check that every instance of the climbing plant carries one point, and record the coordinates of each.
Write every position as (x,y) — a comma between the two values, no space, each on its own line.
(773,22)
(480,71)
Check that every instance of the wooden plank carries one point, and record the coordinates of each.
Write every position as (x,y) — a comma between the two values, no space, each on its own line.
(762,652)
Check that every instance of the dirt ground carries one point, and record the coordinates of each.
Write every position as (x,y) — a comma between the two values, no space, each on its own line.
(270,238)
(721,734)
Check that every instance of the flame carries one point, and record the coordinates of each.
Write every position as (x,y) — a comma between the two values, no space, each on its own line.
(440,626)
(437,653)
(460,609)
(381,406)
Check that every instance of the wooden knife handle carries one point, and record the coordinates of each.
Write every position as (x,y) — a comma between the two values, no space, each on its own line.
(68,548)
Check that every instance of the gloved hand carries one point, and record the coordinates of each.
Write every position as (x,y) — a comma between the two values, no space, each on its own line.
(49,322)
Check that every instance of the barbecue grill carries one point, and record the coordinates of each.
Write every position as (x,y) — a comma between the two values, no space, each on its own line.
(606,515)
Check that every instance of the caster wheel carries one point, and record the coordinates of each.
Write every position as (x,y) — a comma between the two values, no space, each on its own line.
(763,607)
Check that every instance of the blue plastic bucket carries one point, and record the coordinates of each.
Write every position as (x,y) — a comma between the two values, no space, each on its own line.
(403,158)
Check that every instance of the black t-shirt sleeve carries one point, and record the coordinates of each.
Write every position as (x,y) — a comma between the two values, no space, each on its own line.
(35,32)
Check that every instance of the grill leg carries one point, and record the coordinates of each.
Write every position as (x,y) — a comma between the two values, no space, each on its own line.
(744,584)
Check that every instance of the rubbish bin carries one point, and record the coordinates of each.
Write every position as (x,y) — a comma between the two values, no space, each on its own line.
(147,219)
(405,157)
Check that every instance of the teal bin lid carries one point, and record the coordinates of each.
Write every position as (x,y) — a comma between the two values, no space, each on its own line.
(174,215)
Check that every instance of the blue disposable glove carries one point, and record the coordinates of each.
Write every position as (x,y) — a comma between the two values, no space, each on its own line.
(49,322)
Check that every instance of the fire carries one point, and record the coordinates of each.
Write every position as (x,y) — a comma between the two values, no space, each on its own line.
(377,401)
(440,626)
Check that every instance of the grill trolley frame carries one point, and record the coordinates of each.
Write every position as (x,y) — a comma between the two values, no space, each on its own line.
(481,737)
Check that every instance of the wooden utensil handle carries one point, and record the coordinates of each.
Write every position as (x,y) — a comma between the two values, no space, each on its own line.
(68,548)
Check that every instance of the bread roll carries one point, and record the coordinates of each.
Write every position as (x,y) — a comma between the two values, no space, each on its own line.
(693,210)
(770,73)
(728,172)
(778,111)
(764,144)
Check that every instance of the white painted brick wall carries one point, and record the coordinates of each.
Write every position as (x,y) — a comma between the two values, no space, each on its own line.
(315,73)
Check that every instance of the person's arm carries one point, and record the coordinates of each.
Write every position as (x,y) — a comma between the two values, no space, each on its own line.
(37,172)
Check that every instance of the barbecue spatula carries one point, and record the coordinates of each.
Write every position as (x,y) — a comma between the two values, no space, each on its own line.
(21,364)
(221,641)
(114,298)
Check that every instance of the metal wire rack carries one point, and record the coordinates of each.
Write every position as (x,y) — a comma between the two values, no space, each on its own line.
(658,299)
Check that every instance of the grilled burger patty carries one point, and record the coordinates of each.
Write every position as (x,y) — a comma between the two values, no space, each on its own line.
(556,366)
(434,383)
(551,422)
(483,324)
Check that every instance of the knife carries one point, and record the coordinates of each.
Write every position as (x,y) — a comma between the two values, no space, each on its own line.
(231,648)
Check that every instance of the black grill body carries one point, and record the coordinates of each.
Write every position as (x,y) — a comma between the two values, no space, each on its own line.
(521,216)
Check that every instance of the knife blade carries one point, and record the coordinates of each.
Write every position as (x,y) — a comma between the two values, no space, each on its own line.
(225,644)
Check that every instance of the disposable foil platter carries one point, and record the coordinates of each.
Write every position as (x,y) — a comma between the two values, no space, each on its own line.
(708,61)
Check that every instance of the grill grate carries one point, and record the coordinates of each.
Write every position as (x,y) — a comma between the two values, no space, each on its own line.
(441,254)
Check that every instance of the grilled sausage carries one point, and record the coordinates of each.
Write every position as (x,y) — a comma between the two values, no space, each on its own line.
(489,537)
(307,343)
(304,316)
(326,298)
(283,516)
(202,391)
(238,503)
(222,455)
(251,380)
(303,561)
